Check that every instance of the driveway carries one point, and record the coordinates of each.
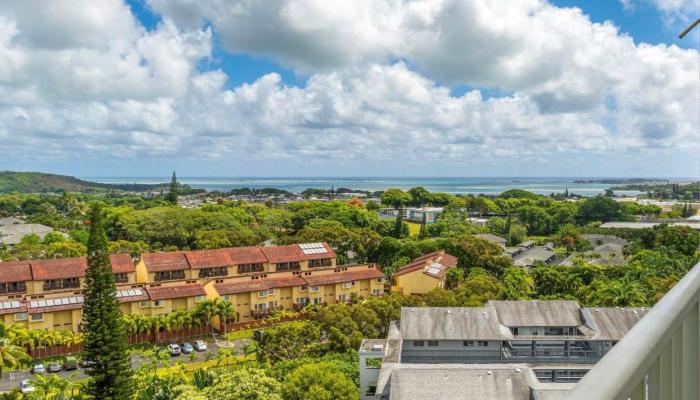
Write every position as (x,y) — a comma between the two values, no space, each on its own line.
(11,380)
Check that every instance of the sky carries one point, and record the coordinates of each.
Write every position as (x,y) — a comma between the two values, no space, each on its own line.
(350,88)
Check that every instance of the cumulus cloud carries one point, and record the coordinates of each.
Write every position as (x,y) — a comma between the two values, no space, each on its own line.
(378,87)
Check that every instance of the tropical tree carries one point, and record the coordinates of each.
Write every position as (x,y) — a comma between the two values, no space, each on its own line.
(11,355)
(172,193)
(105,334)
(320,381)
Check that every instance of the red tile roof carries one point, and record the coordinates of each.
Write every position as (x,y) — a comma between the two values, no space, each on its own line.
(122,263)
(15,271)
(165,261)
(208,258)
(356,274)
(282,254)
(59,268)
(175,292)
(447,261)
(293,280)
(240,287)
(246,255)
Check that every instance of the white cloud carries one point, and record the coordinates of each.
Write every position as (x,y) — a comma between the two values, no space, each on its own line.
(574,86)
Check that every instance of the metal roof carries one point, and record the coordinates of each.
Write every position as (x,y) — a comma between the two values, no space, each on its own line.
(514,313)
(452,323)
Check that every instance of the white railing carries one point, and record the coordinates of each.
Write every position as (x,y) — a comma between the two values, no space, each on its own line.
(659,358)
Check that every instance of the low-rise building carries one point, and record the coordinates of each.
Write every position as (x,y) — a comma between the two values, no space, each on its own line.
(47,294)
(529,257)
(505,350)
(423,274)
(492,238)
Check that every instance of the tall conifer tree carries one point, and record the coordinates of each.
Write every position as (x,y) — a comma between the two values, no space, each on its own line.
(172,194)
(105,334)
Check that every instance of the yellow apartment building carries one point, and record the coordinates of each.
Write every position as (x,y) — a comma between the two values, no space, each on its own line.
(47,294)
(423,274)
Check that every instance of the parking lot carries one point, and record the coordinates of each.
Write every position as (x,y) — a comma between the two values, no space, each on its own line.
(11,380)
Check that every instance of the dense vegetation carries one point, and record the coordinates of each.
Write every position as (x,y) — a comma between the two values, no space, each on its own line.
(39,182)
(315,358)
(667,190)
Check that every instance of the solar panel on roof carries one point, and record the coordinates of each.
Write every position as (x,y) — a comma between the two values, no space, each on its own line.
(80,299)
(42,303)
(65,301)
(2,305)
(34,304)
(434,268)
(49,302)
(313,248)
(15,304)
(72,300)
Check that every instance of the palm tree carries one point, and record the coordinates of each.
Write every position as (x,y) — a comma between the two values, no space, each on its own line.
(11,356)
(207,310)
(225,310)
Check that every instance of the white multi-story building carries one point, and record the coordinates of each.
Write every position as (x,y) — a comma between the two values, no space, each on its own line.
(519,350)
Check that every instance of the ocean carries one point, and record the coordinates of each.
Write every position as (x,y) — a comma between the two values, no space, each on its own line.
(449,185)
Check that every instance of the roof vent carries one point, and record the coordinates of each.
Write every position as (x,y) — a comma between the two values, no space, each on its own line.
(450,311)
(517,370)
(634,312)
(488,373)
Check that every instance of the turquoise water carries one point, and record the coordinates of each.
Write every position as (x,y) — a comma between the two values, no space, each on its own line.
(448,185)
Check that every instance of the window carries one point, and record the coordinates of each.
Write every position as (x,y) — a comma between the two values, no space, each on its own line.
(377,292)
(121,277)
(288,266)
(216,271)
(200,298)
(468,343)
(321,262)
(55,284)
(515,331)
(260,306)
(347,285)
(432,343)
(13,287)
(535,331)
(317,300)
(314,289)
(303,288)
(483,343)
(380,280)
(245,268)
(371,390)
(262,293)
(418,343)
(227,297)
(21,316)
(344,297)
(158,303)
(144,304)
(170,275)
(37,317)
(270,292)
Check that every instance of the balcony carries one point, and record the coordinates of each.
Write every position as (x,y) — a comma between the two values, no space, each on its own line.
(13,287)
(169,275)
(658,359)
(60,284)
(265,312)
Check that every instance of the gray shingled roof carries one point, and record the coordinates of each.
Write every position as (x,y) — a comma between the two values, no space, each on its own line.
(610,323)
(491,238)
(13,233)
(537,313)
(452,323)
(461,381)
(529,257)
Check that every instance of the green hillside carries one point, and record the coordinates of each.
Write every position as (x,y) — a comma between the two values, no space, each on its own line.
(39,182)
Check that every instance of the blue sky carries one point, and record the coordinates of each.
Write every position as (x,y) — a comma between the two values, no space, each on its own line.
(367,88)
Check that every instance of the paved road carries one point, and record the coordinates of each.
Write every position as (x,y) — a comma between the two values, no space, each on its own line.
(11,380)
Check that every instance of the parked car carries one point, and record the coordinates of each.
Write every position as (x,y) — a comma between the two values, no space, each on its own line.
(86,363)
(187,348)
(26,387)
(54,367)
(38,368)
(200,345)
(174,349)
(70,363)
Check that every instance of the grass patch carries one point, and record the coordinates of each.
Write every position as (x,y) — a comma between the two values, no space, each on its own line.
(246,334)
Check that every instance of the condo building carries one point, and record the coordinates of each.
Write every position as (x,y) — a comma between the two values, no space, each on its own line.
(47,294)
(506,350)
